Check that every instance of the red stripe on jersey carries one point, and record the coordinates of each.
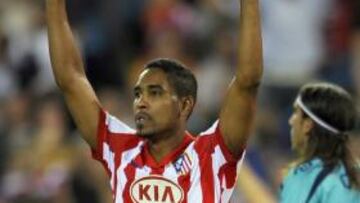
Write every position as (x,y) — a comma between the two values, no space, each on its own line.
(157,171)
(184,182)
(130,170)
(117,142)
(225,150)
(123,142)
(228,172)
(205,147)
(150,160)
(186,162)
(188,158)
(117,164)
(97,151)
(116,139)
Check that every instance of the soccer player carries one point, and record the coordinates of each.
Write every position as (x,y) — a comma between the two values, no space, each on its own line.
(160,161)
(325,172)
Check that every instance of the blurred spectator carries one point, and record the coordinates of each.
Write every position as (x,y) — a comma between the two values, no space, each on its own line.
(214,73)
(17,122)
(40,170)
(28,47)
(337,66)
(168,44)
(84,189)
(293,40)
(251,188)
(355,48)
(50,168)
(294,51)
(7,78)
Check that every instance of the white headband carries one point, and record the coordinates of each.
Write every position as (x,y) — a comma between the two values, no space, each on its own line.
(315,118)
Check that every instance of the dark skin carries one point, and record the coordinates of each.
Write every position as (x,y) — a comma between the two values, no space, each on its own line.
(237,113)
(160,115)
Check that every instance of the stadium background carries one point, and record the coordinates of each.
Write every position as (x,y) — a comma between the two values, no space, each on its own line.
(42,158)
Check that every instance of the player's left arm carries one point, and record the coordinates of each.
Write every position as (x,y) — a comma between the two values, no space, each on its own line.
(238,111)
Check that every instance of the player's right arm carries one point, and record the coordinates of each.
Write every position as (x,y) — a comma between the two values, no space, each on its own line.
(69,72)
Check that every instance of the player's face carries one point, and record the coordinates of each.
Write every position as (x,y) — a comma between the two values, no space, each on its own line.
(298,135)
(156,106)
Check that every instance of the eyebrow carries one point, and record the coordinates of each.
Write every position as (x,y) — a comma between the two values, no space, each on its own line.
(155,87)
(138,88)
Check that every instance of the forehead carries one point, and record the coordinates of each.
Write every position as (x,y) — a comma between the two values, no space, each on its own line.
(153,77)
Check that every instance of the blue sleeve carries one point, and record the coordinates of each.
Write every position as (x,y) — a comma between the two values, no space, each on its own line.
(336,189)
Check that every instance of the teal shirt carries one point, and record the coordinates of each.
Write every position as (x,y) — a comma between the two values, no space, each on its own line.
(334,188)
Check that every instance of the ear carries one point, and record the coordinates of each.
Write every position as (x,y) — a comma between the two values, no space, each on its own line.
(307,126)
(187,106)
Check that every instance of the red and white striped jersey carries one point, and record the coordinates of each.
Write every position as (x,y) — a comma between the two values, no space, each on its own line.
(200,170)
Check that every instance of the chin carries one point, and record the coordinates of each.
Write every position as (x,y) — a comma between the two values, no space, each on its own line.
(141,133)
(144,133)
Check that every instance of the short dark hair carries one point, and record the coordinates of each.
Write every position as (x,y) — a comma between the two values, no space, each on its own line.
(335,106)
(179,76)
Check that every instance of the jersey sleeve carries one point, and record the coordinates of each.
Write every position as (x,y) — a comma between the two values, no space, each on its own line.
(217,164)
(113,137)
(216,140)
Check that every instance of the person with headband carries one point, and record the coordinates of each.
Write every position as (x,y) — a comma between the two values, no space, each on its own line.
(325,171)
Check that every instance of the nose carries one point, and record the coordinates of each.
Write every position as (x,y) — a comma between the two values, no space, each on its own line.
(141,102)
(290,121)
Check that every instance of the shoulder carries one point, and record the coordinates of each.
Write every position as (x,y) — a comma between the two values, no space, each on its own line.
(336,188)
(114,125)
(114,134)
(211,142)
(313,166)
(337,179)
(304,173)
(208,140)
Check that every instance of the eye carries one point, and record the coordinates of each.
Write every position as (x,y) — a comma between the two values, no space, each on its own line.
(155,92)
(136,94)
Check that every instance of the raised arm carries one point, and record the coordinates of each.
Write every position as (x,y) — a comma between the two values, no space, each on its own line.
(252,187)
(238,111)
(69,72)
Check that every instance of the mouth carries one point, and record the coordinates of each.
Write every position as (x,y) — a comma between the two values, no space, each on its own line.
(141,118)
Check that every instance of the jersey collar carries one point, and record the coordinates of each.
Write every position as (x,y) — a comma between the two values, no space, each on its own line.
(149,160)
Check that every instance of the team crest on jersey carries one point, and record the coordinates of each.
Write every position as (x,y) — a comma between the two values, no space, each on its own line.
(183,164)
(156,189)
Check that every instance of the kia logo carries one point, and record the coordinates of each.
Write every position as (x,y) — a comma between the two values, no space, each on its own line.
(156,189)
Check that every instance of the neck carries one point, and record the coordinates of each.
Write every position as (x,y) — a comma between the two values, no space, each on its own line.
(168,141)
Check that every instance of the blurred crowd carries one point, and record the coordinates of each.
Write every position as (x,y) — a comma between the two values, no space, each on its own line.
(43,159)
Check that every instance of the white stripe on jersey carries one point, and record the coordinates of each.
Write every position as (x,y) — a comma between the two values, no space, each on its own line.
(145,171)
(170,173)
(218,160)
(109,158)
(117,126)
(194,175)
(126,158)
(210,130)
(134,148)
(228,192)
